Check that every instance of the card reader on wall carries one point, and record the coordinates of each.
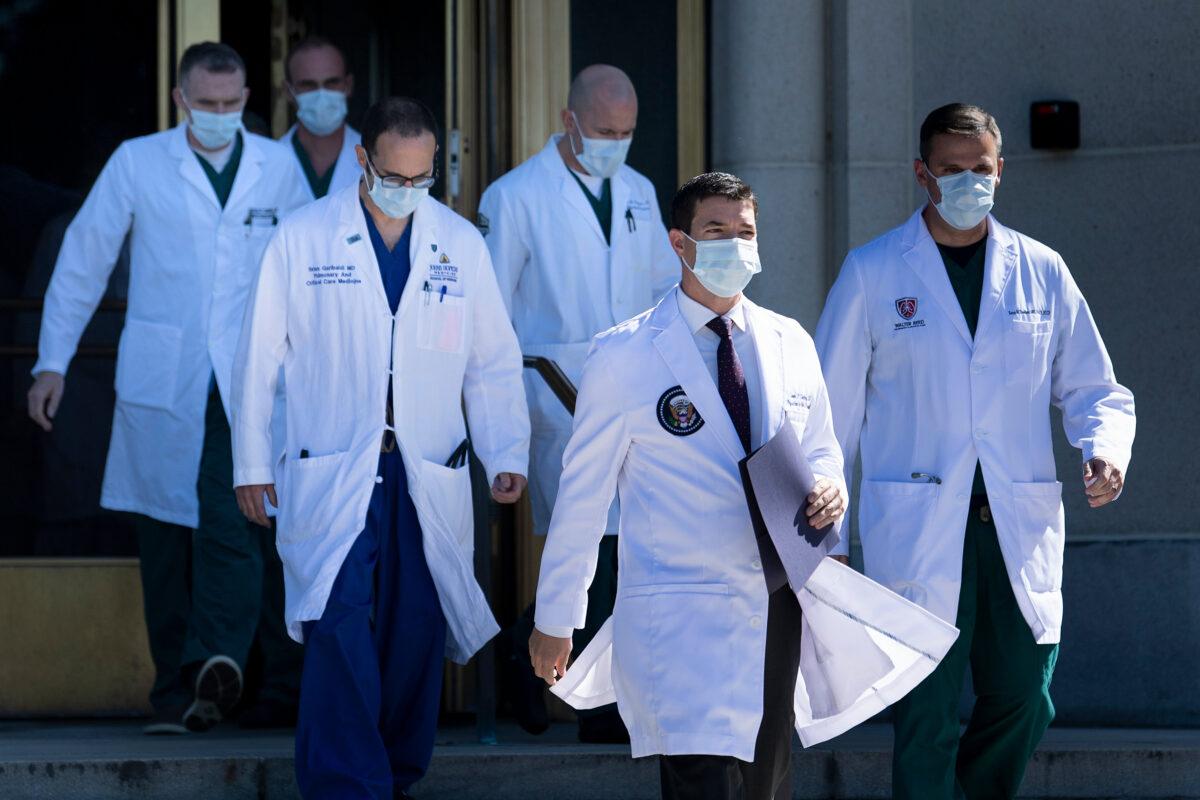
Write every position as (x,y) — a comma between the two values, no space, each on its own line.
(1054,125)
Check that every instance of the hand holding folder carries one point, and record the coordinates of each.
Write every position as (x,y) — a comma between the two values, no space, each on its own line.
(778,479)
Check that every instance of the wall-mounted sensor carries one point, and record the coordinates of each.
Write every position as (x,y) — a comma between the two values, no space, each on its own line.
(1054,125)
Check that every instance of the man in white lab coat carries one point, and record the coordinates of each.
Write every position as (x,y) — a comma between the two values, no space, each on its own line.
(579,245)
(381,307)
(199,203)
(703,652)
(944,344)
(319,85)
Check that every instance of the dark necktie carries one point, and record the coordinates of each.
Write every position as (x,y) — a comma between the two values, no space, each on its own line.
(731,381)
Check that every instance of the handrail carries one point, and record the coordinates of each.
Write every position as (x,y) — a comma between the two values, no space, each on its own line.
(14,304)
(556,379)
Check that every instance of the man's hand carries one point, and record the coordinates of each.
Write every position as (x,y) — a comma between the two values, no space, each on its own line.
(507,487)
(44,397)
(250,501)
(549,656)
(841,559)
(1102,482)
(826,503)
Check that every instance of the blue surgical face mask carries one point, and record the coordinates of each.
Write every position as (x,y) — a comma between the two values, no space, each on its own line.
(321,111)
(213,131)
(725,266)
(397,202)
(600,157)
(967,197)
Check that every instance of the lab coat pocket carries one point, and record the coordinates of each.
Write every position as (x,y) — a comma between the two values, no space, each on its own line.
(1041,533)
(657,630)
(1026,344)
(308,488)
(148,363)
(441,320)
(893,517)
(450,493)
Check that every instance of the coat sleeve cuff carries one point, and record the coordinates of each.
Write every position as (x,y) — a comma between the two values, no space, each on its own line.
(49,365)
(253,476)
(516,466)
(557,631)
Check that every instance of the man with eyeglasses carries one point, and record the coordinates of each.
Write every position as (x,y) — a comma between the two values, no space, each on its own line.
(944,343)
(579,245)
(319,86)
(199,203)
(381,307)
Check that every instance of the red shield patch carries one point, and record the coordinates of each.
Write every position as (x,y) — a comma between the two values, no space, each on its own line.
(906,307)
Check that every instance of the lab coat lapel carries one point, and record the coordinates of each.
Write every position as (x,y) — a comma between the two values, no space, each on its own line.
(675,344)
(922,256)
(189,166)
(998,268)
(768,344)
(572,193)
(352,224)
(248,172)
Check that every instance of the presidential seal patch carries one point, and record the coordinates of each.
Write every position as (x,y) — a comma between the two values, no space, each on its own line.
(677,414)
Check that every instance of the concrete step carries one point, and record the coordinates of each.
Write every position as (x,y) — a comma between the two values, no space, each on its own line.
(113,761)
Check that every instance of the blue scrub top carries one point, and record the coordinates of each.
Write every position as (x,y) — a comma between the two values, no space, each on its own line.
(394,265)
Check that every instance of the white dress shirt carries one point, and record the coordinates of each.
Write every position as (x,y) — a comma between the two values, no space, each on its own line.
(697,317)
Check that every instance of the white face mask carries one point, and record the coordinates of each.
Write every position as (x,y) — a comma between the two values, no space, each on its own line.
(967,197)
(213,131)
(725,266)
(600,157)
(397,202)
(321,111)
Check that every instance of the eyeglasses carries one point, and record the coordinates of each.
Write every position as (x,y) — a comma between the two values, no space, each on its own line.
(398,181)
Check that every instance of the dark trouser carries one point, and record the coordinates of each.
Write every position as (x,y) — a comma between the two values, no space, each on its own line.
(205,590)
(1011,675)
(769,777)
(373,663)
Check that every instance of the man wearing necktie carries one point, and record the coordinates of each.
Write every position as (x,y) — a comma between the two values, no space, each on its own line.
(705,636)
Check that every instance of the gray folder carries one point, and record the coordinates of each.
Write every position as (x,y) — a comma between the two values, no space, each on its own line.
(777,479)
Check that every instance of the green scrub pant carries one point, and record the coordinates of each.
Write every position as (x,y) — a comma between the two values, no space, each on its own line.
(208,591)
(1011,675)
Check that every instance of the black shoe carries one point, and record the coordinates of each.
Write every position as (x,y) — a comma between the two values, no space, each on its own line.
(167,722)
(218,688)
(268,714)
(604,728)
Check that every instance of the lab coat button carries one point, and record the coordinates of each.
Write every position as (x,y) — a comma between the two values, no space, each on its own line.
(980,433)
(379,479)
(756,622)
(977,368)
(756,564)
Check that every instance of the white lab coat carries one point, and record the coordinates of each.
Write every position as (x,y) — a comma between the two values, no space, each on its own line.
(562,284)
(191,267)
(682,654)
(911,388)
(319,310)
(345,170)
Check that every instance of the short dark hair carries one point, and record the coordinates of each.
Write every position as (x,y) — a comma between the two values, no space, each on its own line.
(402,116)
(709,184)
(960,119)
(313,42)
(211,57)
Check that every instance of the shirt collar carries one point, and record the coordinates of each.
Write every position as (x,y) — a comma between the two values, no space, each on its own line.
(697,316)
